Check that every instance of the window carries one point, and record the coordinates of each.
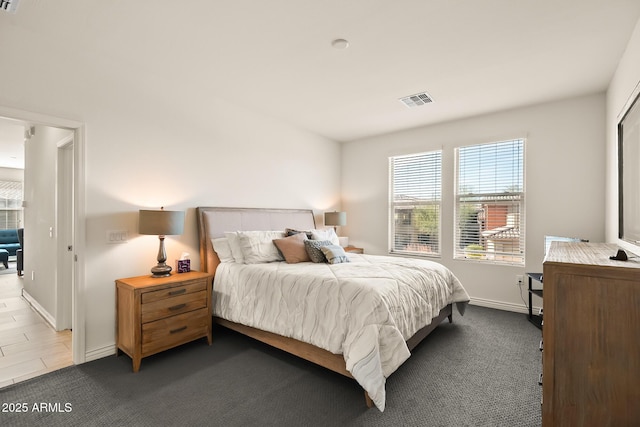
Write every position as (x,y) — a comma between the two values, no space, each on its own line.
(489,208)
(415,195)
(10,204)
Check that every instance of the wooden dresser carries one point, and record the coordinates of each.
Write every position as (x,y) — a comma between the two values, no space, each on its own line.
(155,314)
(591,337)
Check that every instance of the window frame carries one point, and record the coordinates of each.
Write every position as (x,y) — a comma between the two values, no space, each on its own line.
(11,206)
(434,201)
(497,242)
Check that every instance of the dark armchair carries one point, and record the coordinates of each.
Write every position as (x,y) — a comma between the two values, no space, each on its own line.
(19,254)
(9,241)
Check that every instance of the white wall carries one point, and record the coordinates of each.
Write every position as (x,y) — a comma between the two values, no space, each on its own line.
(11,174)
(564,168)
(40,254)
(626,79)
(236,158)
(151,143)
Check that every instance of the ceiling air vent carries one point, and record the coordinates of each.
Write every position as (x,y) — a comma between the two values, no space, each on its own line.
(416,100)
(9,5)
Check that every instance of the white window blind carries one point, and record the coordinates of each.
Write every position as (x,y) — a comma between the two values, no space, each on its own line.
(490,202)
(416,192)
(10,204)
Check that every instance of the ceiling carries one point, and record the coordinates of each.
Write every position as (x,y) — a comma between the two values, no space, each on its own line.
(276,57)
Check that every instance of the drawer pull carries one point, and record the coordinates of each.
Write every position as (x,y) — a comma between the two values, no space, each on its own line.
(177,307)
(178,292)
(541,347)
(175,331)
(540,379)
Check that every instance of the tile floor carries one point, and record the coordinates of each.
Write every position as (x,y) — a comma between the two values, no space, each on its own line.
(29,346)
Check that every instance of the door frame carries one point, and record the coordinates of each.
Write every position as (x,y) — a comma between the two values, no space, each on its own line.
(78,343)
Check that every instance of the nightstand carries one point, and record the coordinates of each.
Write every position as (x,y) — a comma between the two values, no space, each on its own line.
(156,314)
(353,249)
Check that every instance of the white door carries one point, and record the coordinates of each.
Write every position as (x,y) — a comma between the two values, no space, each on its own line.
(65,250)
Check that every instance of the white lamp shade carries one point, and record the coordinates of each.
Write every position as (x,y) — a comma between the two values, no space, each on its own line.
(335,219)
(161,222)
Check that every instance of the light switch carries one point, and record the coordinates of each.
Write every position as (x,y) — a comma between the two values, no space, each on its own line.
(117,236)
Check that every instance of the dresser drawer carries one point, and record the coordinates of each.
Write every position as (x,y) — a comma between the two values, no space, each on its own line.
(185,288)
(171,331)
(171,306)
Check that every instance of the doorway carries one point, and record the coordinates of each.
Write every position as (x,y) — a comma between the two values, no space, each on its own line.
(67,231)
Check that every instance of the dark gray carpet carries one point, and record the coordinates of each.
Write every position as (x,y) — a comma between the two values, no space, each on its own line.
(482,370)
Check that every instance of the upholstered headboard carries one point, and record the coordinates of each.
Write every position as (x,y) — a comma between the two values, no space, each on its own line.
(214,221)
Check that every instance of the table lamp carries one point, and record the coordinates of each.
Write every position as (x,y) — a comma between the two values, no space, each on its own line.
(161,223)
(337,219)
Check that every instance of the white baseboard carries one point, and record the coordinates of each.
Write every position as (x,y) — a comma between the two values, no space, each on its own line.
(500,305)
(99,353)
(96,354)
(40,309)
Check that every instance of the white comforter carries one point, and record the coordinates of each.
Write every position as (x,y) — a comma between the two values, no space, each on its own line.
(364,309)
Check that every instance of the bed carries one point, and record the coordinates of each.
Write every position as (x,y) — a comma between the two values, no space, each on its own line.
(348,317)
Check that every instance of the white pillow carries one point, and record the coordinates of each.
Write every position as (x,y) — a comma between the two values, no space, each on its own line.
(326,234)
(234,244)
(258,247)
(222,248)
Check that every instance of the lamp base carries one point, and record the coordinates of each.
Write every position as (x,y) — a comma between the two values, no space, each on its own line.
(161,270)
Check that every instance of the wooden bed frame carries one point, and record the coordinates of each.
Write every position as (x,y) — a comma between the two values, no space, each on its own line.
(213,221)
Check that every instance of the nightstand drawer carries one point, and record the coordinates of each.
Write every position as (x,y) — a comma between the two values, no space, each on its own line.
(186,288)
(171,306)
(166,333)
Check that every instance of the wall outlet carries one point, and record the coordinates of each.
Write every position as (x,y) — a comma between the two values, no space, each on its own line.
(519,280)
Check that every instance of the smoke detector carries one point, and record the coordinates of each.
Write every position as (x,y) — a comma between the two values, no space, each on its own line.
(416,100)
(340,44)
(9,5)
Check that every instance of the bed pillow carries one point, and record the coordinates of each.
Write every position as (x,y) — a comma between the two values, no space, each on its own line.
(313,249)
(292,231)
(292,248)
(257,246)
(326,234)
(234,244)
(222,248)
(334,254)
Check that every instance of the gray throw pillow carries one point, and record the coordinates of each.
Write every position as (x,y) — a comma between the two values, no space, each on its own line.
(334,254)
(313,249)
